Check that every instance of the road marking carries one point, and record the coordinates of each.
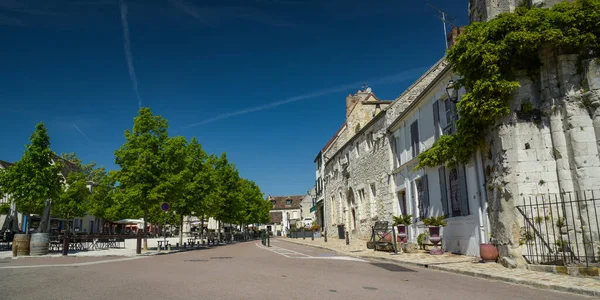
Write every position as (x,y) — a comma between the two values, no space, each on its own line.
(75,264)
(294,254)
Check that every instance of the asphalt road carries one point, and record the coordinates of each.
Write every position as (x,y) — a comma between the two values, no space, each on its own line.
(244,271)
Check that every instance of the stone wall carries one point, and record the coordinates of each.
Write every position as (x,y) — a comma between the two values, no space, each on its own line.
(485,10)
(363,174)
(547,145)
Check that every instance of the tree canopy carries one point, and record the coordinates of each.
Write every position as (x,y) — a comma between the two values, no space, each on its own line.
(154,168)
(35,178)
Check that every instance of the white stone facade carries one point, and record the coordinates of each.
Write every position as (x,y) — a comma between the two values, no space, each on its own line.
(456,193)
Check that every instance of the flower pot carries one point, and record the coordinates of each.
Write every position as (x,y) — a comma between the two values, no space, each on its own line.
(435,239)
(488,252)
(402,233)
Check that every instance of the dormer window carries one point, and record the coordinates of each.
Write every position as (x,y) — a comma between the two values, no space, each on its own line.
(288,202)
(273,202)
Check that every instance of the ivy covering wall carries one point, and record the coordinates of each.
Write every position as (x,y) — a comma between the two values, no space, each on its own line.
(488,56)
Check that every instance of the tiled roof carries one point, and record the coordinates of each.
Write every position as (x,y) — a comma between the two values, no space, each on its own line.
(5,164)
(275,216)
(280,202)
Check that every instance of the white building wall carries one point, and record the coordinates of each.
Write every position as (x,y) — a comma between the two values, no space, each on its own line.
(463,233)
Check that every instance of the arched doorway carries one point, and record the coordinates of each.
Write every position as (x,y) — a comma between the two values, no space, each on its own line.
(351,215)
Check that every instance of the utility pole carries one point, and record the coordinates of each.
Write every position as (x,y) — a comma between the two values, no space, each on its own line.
(445,21)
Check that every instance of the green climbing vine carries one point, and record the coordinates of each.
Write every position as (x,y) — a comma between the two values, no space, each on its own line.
(488,55)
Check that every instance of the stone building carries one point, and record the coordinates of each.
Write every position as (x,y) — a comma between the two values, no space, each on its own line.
(356,160)
(548,146)
(319,190)
(542,163)
(456,193)
(286,213)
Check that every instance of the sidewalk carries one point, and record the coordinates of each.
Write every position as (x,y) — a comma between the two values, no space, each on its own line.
(129,250)
(461,264)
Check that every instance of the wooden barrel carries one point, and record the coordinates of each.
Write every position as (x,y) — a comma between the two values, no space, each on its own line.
(21,244)
(39,244)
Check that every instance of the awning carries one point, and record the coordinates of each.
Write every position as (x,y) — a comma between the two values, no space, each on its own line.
(131,221)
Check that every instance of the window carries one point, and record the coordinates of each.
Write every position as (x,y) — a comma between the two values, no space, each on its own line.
(332,210)
(361,195)
(422,193)
(414,137)
(273,202)
(402,202)
(436,119)
(373,200)
(450,108)
(459,199)
(288,202)
(295,215)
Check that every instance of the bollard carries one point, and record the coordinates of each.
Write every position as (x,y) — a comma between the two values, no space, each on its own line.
(347,239)
(14,250)
(373,235)
(268,240)
(203,243)
(394,237)
(65,251)
(312,236)
(303,235)
(325,236)
(138,243)
(176,246)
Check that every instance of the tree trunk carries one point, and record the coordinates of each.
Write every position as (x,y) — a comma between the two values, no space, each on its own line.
(181,231)
(219,232)
(145,229)
(202,227)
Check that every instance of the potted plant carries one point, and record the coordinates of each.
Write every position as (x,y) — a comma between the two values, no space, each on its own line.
(401,223)
(316,230)
(488,251)
(434,224)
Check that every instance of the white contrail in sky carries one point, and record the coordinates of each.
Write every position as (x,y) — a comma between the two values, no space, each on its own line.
(82,133)
(405,75)
(127,45)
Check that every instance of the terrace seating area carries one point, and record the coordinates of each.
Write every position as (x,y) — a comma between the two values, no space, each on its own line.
(87,242)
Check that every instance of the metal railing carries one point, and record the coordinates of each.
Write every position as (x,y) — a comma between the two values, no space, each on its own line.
(561,229)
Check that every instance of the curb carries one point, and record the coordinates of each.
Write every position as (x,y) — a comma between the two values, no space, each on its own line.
(570,289)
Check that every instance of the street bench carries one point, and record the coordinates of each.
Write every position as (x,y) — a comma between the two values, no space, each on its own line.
(380,232)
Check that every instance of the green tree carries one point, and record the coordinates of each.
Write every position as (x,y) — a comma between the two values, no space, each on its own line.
(200,184)
(175,177)
(141,158)
(92,171)
(73,201)
(225,200)
(252,203)
(34,178)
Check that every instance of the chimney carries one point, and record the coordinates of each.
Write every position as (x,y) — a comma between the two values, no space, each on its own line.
(454,33)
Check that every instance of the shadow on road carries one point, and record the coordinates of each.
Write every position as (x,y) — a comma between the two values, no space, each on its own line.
(392,267)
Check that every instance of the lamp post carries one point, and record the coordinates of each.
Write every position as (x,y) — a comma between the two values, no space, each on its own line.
(452,90)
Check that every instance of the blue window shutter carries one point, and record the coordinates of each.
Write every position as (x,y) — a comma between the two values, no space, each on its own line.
(443,191)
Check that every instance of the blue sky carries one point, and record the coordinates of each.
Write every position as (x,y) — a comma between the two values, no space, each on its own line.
(263,80)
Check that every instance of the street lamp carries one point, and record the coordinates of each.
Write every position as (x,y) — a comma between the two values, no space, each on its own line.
(452,90)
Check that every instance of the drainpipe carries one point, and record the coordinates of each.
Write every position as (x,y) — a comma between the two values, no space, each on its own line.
(483,217)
